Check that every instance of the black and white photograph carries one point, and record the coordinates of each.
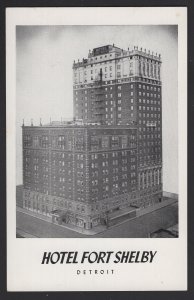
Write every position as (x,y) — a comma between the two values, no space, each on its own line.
(97,131)
(97,146)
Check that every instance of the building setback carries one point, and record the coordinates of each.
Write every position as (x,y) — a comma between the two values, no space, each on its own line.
(110,157)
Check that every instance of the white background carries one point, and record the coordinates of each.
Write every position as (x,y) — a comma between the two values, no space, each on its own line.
(25,272)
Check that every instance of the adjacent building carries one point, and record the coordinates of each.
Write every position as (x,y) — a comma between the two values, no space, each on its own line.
(110,157)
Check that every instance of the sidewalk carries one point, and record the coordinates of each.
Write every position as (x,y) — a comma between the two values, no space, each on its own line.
(95,230)
(99,228)
(143,211)
(33,214)
(139,213)
(147,210)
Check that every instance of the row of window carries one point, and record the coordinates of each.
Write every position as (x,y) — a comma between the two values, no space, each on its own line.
(144,115)
(145,137)
(107,155)
(115,162)
(148,101)
(116,190)
(95,173)
(129,79)
(145,158)
(30,204)
(148,94)
(110,75)
(115,178)
(119,87)
(149,87)
(38,153)
(118,75)
(155,148)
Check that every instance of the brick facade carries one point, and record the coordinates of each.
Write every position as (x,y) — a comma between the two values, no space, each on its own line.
(113,159)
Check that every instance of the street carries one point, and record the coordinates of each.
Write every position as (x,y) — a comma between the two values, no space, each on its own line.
(139,227)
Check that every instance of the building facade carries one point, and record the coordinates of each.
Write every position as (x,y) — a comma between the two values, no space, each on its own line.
(112,160)
(122,87)
(80,171)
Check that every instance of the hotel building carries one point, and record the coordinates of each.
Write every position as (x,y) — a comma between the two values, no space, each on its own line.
(107,163)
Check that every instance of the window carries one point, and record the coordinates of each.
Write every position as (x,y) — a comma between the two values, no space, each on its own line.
(105,163)
(124,141)
(124,161)
(115,178)
(36,140)
(105,180)
(105,141)
(115,162)
(95,182)
(105,172)
(115,154)
(94,156)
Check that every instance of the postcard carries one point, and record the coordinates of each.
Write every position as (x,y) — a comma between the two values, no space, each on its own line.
(96,149)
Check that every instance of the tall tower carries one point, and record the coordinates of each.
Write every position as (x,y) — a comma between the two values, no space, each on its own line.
(122,87)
